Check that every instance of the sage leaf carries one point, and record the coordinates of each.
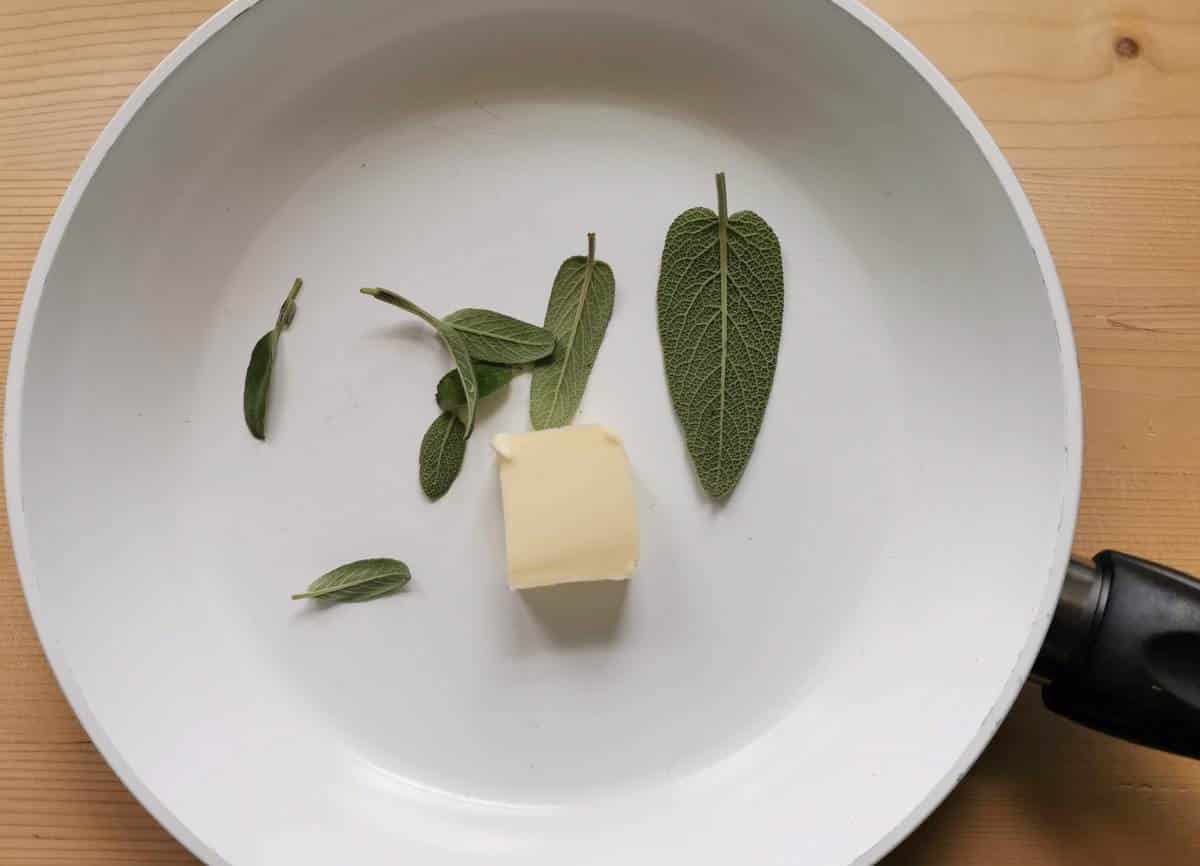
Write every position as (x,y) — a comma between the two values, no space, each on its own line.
(363,580)
(501,339)
(442,451)
(256,392)
(581,303)
(453,341)
(466,372)
(489,377)
(720,318)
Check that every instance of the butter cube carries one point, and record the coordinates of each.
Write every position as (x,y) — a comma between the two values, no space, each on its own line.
(569,510)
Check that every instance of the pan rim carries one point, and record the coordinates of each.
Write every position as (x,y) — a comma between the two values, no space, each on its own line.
(1072,408)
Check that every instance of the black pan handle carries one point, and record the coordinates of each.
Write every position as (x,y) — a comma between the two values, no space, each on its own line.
(1123,652)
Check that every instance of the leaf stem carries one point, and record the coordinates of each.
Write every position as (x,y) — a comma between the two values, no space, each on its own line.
(287,311)
(295,290)
(723,243)
(404,304)
(591,260)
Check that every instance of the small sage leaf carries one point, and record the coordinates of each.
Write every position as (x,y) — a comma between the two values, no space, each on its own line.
(363,580)
(501,339)
(442,451)
(256,393)
(581,303)
(720,318)
(489,377)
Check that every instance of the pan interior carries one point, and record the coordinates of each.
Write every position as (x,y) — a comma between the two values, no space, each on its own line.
(788,675)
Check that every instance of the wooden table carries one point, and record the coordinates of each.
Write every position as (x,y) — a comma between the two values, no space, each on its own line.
(1097,105)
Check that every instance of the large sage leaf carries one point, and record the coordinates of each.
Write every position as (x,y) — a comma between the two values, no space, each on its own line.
(442,451)
(720,317)
(581,303)
(256,393)
(501,339)
(363,580)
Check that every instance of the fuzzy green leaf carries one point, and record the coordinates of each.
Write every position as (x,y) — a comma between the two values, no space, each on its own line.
(466,372)
(720,318)
(581,303)
(500,339)
(363,580)
(442,450)
(256,393)
(489,377)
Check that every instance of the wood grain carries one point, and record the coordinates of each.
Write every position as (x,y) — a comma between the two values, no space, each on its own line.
(1097,105)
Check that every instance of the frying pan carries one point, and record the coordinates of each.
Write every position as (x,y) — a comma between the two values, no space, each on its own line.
(796,676)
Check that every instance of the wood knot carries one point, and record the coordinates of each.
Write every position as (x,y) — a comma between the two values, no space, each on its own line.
(1127,46)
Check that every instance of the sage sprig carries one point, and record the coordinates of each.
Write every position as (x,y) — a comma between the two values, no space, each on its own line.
(363,580)
(720,318)
(256,393)
(453,342)
(581,303)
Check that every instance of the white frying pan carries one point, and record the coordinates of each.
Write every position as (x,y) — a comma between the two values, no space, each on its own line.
(795,678)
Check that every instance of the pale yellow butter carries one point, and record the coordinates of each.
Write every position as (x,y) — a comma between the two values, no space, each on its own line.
(569,508)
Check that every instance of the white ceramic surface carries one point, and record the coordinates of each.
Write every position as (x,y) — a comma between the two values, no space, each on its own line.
(795,678)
